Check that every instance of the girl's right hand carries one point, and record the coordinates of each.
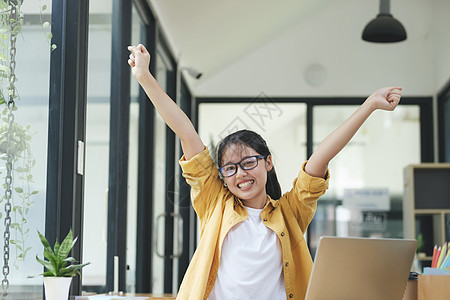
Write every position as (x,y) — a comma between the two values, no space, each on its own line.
(385,98)
(139,61)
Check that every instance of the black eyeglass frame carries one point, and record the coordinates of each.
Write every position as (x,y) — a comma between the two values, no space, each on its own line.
(258,157)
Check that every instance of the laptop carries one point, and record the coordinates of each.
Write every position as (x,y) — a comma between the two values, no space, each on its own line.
(360,268)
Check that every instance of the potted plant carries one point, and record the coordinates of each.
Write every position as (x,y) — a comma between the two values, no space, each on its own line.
(59,267)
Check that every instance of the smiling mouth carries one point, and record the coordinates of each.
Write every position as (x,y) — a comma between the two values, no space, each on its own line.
(245,185)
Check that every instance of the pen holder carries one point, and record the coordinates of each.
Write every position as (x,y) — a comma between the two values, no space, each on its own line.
(434,287)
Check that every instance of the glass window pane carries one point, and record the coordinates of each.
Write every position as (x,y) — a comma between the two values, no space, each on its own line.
(446,128)
(133,165)
(267,118)
(159,182)
(97,146)
(30,166)
(374,159)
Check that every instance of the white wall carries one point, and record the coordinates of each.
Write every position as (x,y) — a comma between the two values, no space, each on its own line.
(442,48)
(332,38)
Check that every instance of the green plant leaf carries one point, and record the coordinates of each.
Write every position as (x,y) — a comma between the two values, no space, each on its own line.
(14,225)
(16,29)
(72,270)
(18,247)
(66,272)
(70,259)
(44,241)
(48,254)
(20,169)
(47,265)
(57,264)
(56,248)
(66,246)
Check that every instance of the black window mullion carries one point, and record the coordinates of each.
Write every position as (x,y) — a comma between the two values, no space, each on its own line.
(118,151)
(170,191)
(184,203)
(443,121)
(426,131)
(67,124)
(144,230)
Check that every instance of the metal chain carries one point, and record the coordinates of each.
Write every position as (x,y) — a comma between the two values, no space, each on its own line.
(8,194)
(9,154)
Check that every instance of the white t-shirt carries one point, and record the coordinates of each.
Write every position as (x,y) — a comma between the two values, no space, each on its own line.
(250,263)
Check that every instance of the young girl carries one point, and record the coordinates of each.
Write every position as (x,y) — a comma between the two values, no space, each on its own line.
(252,244)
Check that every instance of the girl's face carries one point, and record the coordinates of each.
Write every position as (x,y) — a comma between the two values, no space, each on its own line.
(247,185)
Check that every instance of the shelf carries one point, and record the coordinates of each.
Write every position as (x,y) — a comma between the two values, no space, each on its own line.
(426,258)
(426,205)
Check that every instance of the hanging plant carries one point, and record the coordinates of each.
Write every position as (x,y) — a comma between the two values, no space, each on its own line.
(15,139)
(22,192)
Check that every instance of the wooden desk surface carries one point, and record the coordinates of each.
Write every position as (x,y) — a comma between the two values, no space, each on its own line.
(149,296)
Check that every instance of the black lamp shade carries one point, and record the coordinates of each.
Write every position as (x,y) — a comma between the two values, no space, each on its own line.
(384,29)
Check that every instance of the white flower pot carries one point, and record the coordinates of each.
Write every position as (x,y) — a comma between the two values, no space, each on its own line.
(57,288)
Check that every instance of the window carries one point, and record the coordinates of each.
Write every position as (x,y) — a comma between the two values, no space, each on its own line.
(97,146)
(444,125)
(269,119)
(28,197)
(372,162)
(133,164)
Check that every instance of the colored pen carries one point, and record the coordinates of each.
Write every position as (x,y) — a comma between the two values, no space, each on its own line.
(434,256)
(446,261)
(442,255)
(433,261)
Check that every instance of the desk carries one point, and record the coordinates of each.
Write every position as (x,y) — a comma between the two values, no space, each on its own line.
(411,290)
(149,296)
(435,287)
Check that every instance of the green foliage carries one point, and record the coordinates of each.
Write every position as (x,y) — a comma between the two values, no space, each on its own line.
(57,263)
(20,146)
(46,27)
(22,196)
(420,243)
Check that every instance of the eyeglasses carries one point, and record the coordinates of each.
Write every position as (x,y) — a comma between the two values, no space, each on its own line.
(247,163)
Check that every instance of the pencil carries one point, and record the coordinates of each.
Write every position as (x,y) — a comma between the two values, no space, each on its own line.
(445,262)
(442,255)
(436,254)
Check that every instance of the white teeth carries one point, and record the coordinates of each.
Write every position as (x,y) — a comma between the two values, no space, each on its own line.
(245,184)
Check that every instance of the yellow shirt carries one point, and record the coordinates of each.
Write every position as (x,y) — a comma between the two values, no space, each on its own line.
(219,210)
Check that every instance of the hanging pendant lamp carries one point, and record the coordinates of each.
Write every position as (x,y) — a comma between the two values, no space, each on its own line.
(384,28)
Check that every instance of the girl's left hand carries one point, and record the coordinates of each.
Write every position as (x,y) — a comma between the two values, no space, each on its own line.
(139,60)
(386,98)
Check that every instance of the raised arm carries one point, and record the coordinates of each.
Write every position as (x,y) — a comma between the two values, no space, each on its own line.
(174,117)
(385,99)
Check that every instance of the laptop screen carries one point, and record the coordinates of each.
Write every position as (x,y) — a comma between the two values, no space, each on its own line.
(360,268)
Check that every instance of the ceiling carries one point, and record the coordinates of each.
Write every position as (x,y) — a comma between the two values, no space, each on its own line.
(275,43)
(210,35)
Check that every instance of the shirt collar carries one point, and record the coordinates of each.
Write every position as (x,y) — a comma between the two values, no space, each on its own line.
(270,201)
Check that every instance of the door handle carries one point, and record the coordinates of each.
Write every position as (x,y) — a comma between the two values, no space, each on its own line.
(175,216)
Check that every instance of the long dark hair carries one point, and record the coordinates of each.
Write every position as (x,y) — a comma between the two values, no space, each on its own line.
(252,140)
